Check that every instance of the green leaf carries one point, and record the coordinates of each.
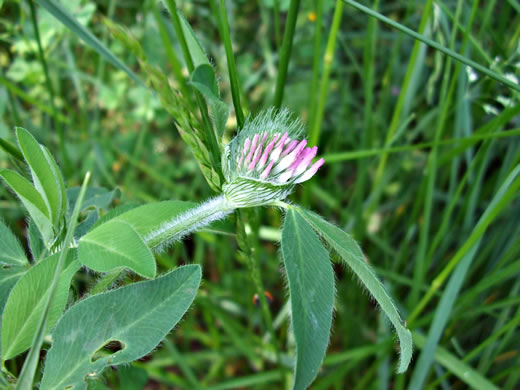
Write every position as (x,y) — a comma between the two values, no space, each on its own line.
(32,200)
(11,252)
(35,241)
(138,316)
(116,244)
(204,79)
(8,278)
(59,178)
(311,288)
(25,304)
(350,252)
(150,217)
(45,178)
(62,15)
(195,48)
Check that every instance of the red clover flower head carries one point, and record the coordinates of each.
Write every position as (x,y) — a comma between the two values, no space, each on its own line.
(266,159)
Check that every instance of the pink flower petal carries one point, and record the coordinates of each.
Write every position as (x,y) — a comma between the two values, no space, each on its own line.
(311,171)
(266,171)
(252,150)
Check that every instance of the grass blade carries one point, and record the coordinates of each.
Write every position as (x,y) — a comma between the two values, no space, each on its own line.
(71,23)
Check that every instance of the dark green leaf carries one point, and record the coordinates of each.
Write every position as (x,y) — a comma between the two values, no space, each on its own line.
(11,251)
(138,316)
(311,288)
(350,252)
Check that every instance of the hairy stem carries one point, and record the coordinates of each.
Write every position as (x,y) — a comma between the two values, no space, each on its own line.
(188,222)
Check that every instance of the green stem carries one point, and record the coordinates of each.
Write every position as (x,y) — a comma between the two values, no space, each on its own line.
(286,52)
(314,136)
(249,246)
(25,381)
(233,74)
(192,220)
(316,58)
(50,89)
(170,53)
(396,117)
(276,11)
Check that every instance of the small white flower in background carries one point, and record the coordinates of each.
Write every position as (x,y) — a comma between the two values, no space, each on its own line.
(266,159)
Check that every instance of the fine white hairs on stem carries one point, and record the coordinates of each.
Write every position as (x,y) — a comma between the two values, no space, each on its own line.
(188,222)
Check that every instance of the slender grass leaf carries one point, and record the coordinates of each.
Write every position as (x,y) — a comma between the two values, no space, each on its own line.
(203,78)
(25,303)
(456,366)
(32,200)
(83,33)
(352,255)
(45,177)
(198,56)
(311,288)
(11,251)
(138,316)
(116,244)
(442,314)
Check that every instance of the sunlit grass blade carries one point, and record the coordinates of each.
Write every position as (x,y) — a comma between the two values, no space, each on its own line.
(464,372)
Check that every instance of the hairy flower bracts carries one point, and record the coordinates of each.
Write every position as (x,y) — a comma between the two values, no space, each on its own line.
(266,159)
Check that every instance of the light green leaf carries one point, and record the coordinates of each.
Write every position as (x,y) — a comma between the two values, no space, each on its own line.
(62,15)
(32,200)
(61,183)
(138,316)
(43,174)
(11,252)
(311,288)
(116,244)
(196,51)
(203,78)
(25,303)
(350,252)
(150,217)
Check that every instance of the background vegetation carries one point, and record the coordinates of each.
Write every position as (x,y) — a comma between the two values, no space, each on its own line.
(421,152)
